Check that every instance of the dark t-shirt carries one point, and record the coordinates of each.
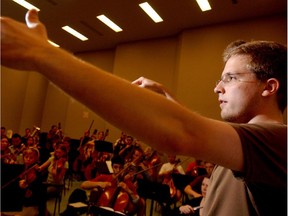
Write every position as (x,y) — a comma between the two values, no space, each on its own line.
(265,157)
(262,188)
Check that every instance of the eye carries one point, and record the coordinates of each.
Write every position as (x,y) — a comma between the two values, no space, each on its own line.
(228,78)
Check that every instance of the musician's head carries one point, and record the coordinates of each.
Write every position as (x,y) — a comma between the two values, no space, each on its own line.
(137,154)
(204,185)
(16,140)
(209,167)
(129,140)
(4,143)
(30,156)
(172,159)
(117,163)
(60,151)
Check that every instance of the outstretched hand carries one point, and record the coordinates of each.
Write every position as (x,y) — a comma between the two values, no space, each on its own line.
(143,82)
(19,42)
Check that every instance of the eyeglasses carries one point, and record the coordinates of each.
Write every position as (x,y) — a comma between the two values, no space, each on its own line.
(228,77)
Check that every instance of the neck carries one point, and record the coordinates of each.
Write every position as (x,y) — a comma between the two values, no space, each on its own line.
(277,119)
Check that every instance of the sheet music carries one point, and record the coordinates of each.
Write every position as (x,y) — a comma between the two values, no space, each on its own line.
(109,165)
(78,205)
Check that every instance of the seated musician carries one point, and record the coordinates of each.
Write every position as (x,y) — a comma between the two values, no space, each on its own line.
(121,195)
(56,166)
(137,168)
(6,155)
(86,157)
(17,148)
(194,207)
(193,189)
(126,152)
(166,171)
(31,182)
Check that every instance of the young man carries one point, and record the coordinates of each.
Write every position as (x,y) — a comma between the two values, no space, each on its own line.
(250,151)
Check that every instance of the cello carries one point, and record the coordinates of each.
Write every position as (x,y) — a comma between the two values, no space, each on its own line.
(115,196)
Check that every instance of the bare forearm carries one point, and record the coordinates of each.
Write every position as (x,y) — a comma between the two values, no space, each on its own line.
(88,185)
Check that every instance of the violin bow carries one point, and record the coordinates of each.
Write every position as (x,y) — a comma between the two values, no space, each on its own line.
(23,173)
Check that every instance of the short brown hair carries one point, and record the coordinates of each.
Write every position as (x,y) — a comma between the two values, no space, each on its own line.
(268,60)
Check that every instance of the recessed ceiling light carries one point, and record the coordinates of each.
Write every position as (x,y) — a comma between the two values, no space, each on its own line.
(204,5)
(109,23)
(74,33)
(26,4)
(151,12)
(54,44)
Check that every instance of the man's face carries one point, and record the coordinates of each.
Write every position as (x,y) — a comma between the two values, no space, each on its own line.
(239,94)
(116,168)
(16,141)
(129,141)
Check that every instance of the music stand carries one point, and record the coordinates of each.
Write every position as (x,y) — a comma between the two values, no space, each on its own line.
(103,146)
(12,195)
(181,181)
(74,143)
(155,191)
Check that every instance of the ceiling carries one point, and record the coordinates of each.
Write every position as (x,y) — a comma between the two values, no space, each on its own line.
(178,15)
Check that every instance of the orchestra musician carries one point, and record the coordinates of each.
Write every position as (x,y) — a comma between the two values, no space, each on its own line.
(118,193)
(137,168)
(152,161)
(126,151)
(166,171)
(57,165)
(31,182)
(6,155)
(85,158)
(17,148)
(120,143)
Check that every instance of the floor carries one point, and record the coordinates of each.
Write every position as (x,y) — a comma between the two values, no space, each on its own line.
(76,184)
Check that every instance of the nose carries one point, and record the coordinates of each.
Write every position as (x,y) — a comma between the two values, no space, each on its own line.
(219,88)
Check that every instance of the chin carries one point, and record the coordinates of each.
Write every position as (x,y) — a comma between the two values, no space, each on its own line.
(228,117)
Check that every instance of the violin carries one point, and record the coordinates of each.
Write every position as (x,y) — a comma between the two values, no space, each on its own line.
(59,164)
(29,175)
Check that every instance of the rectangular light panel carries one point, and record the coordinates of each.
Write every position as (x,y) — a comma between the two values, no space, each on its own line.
(204,5)
(52,43)
(109,23)
(26,4)
(74,33)
(151,12)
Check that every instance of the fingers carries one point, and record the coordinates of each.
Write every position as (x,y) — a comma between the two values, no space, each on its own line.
(138,81)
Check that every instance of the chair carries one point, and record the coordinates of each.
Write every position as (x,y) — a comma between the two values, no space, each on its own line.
(57,195)
(68,181)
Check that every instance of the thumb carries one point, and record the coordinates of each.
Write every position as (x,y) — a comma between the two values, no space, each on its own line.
(33,22)
(32,19)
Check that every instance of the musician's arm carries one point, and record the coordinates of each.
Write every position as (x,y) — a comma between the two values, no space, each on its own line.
(88,185)
(134,196)
(44,165)
(188,190)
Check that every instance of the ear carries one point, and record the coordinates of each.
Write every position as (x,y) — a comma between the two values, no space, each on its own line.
(271,87)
